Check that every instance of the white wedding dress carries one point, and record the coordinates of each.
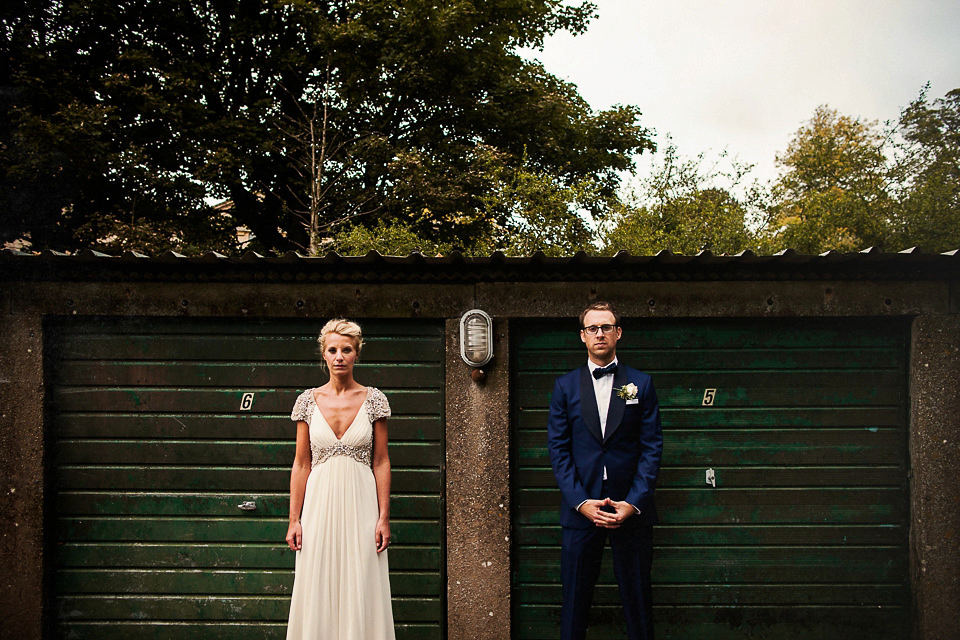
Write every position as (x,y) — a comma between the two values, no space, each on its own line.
(341,590)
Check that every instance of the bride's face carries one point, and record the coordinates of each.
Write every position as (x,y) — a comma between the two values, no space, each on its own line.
(340,353)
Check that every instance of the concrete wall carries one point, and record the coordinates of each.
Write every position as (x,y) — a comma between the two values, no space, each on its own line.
(935,485)
(21,475)
(477,414)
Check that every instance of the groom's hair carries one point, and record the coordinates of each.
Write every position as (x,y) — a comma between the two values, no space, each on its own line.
(600,305)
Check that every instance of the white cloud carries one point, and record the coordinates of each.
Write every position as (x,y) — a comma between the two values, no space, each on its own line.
(745,74)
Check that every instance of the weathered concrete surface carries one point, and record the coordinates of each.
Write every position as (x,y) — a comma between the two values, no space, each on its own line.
(478,492)
(242,300)
(477,436)
(21,474)
(715,299)
(935,484)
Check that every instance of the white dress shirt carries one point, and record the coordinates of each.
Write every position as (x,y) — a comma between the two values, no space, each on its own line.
(602,389)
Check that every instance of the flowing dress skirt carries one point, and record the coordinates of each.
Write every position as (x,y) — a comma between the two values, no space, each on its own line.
(342,588)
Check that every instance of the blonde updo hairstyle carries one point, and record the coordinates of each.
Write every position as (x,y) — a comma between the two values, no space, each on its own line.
(343,327)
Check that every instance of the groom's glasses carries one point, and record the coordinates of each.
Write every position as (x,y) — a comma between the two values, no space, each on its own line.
(594,328)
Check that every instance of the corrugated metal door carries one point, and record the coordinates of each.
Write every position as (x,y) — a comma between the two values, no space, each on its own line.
(804,424)
(164,427)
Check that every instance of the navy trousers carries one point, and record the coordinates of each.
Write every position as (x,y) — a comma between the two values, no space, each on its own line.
(580,566)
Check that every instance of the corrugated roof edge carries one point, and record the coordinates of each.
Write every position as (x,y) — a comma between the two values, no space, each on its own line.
(789,264)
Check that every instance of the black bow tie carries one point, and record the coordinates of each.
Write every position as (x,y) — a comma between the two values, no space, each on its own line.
(599,372)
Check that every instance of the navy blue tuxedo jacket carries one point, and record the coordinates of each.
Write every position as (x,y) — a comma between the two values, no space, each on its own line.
(630,449)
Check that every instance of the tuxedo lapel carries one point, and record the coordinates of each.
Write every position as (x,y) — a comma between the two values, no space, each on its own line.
(588,403)
(617,404)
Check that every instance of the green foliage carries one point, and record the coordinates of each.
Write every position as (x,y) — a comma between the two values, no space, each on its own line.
(186,234)
(832,193)
(387,238)
(537,212)
(307,115)
(405,126)
(680,208)
(849,185)
(926,174)
(524,211)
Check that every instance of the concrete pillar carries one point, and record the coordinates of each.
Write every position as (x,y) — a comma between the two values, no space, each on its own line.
(21,474)
(935,482)
(478,492)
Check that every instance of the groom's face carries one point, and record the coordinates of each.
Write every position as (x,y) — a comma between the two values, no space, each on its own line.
(601,346)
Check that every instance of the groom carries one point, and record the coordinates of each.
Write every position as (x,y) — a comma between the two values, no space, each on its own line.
(605,442)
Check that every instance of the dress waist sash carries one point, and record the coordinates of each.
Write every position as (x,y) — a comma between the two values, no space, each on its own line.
(360,453)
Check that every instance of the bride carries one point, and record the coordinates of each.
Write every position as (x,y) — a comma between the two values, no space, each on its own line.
(340,502)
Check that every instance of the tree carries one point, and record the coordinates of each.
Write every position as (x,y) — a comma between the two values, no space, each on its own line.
(393,238)
(524,211)
(926,174)
(307,115)
(832,193)
(681,208)
(93,143)
(538,212)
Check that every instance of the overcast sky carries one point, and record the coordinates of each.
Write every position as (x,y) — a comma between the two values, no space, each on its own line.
(743,75)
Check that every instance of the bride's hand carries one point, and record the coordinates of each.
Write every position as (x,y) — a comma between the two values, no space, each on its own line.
(295,536)
(383,534)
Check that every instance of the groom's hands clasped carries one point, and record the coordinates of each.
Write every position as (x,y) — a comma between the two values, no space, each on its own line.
(599,512)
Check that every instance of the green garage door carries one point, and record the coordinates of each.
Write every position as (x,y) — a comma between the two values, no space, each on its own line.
(803,423)
(164,427)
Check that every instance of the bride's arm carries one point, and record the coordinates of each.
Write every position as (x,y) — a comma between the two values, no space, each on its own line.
(298,484)
(381,472)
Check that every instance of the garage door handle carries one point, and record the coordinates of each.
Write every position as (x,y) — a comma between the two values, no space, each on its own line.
(249,505)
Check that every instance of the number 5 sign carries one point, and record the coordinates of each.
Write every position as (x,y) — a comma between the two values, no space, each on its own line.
(708,397)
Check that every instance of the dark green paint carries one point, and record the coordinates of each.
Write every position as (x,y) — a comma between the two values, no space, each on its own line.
(223,427)
(219,478)
(154,453)
(805,535)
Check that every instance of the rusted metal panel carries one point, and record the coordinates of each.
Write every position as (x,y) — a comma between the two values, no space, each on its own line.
(164,427)
(804,426)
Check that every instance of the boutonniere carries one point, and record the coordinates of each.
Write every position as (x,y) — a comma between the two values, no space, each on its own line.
(627,391)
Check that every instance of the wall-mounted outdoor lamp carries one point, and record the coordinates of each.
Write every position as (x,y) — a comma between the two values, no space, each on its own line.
(476,340)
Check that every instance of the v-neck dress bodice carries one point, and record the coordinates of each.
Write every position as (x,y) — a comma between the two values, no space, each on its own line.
(356,441)
(341,589)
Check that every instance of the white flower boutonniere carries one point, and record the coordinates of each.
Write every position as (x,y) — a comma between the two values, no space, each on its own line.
(627,391)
